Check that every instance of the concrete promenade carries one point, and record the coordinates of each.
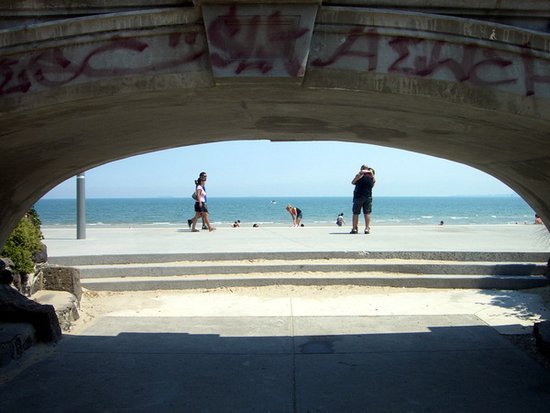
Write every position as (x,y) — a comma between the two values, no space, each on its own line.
(108,240)
(306,349)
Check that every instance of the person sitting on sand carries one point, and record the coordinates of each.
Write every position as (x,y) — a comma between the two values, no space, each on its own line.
(538,220)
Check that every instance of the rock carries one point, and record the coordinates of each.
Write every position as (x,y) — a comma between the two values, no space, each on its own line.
(16,308)
(65,304)
(41,256)
(6,277)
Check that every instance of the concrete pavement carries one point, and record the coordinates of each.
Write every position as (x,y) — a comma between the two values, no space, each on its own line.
(382,350)
(109,240)
(289,349)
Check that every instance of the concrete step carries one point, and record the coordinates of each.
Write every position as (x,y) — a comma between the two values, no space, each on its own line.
(520,257)
(178,282)
(301,266)
(388,268)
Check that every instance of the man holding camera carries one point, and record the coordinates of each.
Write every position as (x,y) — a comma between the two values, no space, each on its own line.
(362,197)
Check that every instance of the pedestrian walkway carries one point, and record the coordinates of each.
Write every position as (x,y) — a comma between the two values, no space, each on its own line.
(61,241)
(289,349)
(324,351)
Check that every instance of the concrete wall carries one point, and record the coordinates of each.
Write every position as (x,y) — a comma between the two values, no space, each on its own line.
(529,14)
(81,92)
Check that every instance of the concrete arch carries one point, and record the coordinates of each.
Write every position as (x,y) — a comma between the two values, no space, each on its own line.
(81,92)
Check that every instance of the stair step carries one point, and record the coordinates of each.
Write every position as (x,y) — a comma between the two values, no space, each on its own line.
(525,257)
(287,266)
(429,269)
(177,282)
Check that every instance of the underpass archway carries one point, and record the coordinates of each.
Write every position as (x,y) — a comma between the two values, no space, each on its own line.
(84,92)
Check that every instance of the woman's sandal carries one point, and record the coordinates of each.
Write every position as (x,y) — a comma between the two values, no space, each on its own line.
(367,231)
(353,231)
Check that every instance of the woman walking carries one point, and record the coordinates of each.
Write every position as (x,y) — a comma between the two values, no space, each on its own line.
(201,209)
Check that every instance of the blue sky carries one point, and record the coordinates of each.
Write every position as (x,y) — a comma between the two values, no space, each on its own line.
(263,168)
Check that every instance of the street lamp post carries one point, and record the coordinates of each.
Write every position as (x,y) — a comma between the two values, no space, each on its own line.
(80,206)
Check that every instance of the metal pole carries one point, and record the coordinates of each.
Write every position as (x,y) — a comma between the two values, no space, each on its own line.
(80,206)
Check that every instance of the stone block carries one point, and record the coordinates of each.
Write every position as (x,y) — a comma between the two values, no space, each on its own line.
(62,279)
(65,304)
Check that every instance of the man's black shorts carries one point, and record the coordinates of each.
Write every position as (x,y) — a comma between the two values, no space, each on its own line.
(362,203)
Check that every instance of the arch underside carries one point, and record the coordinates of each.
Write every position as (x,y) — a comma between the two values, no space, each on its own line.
(422,88)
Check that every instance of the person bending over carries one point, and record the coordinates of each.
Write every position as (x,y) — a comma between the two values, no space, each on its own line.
(296,214)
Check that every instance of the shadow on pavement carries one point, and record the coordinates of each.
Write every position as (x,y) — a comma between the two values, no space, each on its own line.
(415,365)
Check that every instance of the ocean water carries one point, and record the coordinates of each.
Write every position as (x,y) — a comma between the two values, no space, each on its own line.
(316,210)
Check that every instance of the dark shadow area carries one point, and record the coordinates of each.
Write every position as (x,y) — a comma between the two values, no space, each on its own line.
(519,269)
(381,364)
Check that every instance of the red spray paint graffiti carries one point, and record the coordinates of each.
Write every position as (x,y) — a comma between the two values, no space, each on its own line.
(53,67)
(253,42)
(532,78)
(422,58)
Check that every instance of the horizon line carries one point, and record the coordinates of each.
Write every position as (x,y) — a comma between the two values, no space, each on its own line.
(292,196)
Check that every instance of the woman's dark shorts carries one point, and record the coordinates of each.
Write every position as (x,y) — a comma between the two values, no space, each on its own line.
(362,203)
(199,208)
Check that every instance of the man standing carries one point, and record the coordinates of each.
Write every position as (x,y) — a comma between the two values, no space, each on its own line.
(362,197)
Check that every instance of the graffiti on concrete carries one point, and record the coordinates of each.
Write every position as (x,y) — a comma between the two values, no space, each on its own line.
(120,56)
(254,42)
(366,50)
(277,44)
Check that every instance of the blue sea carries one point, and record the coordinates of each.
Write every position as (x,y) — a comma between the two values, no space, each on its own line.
(316,210)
